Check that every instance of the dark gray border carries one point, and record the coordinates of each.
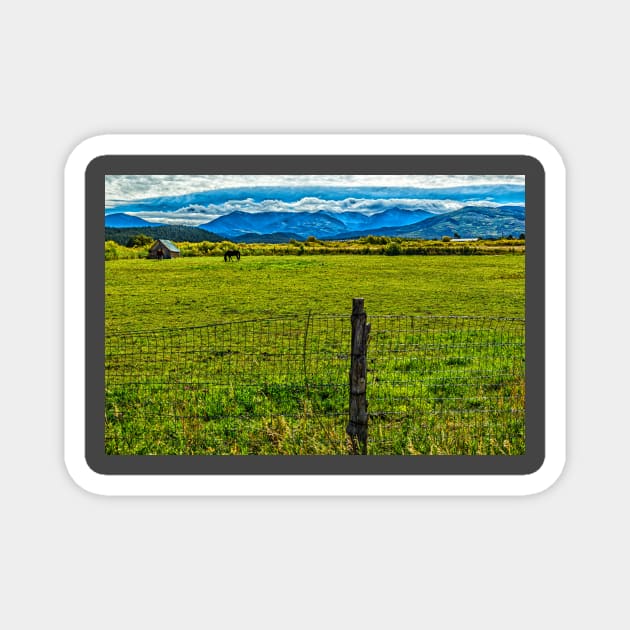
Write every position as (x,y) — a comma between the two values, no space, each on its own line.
(534,173)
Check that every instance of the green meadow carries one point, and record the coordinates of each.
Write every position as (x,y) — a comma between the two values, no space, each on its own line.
(184,377)
(148,294)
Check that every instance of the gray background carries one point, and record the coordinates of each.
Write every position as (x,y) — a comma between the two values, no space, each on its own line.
(72,70)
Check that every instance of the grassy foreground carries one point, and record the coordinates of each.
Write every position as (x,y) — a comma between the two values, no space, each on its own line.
(281,387)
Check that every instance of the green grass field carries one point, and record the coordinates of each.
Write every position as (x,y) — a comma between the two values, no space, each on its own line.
(149,294)
(437,386)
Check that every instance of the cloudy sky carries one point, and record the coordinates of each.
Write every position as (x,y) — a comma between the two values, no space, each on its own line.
(122,189)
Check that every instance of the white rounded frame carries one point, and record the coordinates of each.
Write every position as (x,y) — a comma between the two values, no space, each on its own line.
(315,485)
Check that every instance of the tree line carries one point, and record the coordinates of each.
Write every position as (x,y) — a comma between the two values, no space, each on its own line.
(138,247)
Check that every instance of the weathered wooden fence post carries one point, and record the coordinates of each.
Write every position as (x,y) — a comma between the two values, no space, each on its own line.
(357,427)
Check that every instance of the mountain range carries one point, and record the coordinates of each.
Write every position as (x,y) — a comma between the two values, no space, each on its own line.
(469,222)
(278,227)
(279,214)
(320,224)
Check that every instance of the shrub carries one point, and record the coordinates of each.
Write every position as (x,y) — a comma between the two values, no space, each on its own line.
(393,249)
(114,251)
(111,250)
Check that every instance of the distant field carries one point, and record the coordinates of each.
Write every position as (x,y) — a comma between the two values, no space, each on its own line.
(147,294)
(277,383)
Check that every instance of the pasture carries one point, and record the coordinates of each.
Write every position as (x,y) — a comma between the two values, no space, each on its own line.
(277,384)
(148,294)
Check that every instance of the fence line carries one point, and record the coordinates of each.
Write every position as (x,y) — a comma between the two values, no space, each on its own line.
(283,385)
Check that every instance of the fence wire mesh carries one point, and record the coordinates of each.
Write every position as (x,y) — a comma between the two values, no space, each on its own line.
(281,386)
(446,385)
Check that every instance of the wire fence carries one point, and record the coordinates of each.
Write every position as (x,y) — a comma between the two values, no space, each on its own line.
(447,385)
(435,385)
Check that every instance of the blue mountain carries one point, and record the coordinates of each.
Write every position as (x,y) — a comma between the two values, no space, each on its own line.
(270,227)
(397,217)
(237,223)
(469,222)
(122,220)
(320,224)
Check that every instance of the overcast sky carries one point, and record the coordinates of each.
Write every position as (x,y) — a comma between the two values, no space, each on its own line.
(126,188)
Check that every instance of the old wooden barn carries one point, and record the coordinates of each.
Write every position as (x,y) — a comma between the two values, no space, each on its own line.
(163,248)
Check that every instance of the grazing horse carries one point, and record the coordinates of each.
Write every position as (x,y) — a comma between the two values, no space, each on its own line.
(232,253)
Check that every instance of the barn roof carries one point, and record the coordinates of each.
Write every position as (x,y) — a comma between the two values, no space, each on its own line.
(168,244)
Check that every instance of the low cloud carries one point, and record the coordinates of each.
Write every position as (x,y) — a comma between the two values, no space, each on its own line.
(194,215)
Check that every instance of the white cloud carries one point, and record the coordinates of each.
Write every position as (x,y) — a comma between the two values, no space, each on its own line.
(127,188)
(196,215)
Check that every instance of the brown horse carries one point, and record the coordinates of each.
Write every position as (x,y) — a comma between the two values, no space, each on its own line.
(232,253)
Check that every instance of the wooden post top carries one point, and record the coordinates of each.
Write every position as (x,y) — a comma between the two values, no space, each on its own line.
(357,306)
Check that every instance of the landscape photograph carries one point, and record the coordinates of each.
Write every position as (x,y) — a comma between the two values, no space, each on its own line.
(349,315)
